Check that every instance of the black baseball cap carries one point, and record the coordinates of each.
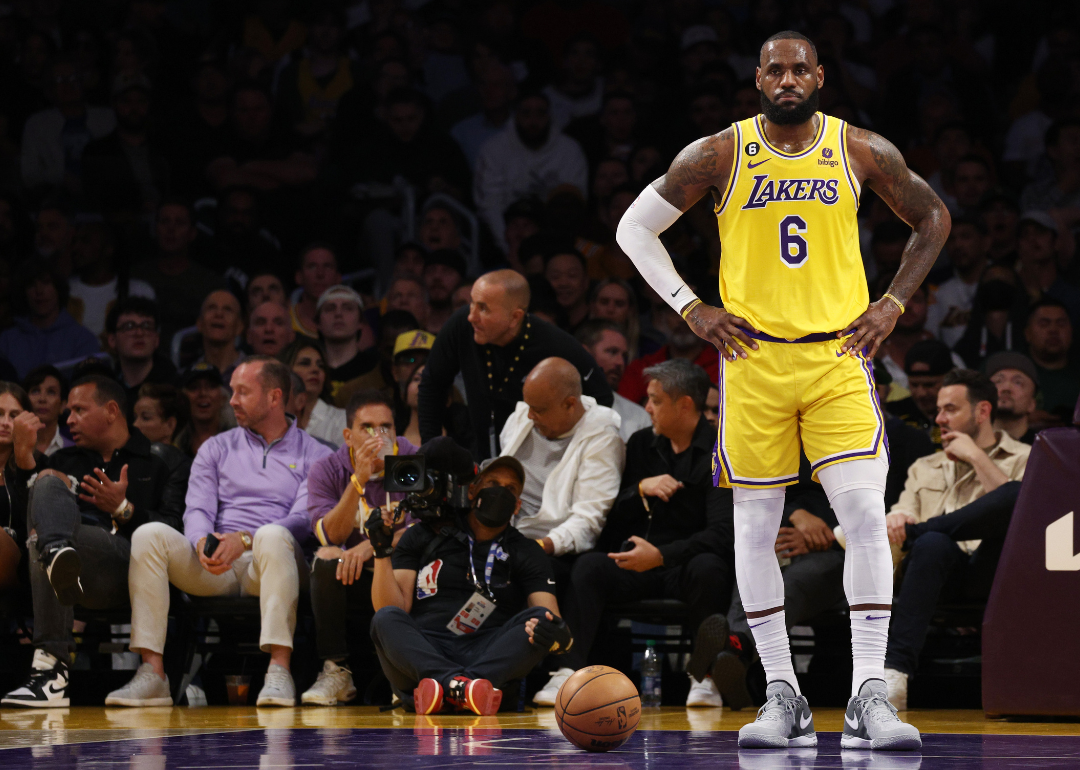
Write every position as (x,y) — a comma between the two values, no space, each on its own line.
(201,371)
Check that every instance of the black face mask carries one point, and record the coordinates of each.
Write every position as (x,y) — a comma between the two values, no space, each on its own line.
(494,506)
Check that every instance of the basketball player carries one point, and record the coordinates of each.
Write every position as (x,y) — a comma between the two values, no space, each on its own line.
(797,334)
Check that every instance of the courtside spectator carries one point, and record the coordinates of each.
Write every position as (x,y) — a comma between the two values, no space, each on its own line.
(97,284)
(342,570)
(44,333)
(317,270)
(422,584)
(342,328)
(573,457)
(248,489)
(269,331)
(319,417)
(1049,336)
(606,343)
(161,412)
(180,284)
(680,526)
(209,405)
(47,390)
(132,328)
(1017,383)
(496,330)
(221,323)
(86,503)
(956,557)
(17,468)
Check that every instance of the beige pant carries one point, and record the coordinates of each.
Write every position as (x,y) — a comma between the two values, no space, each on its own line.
(270,570)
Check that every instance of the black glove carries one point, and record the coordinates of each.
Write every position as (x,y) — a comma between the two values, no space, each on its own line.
(553,635)
(379,534)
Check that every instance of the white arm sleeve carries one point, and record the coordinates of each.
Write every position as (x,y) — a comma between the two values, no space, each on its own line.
(638,236)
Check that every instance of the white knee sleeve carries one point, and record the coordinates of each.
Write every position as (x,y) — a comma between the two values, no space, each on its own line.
(856,490)
(757,521)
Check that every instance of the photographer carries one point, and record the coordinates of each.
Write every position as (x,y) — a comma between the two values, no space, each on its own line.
(466,603)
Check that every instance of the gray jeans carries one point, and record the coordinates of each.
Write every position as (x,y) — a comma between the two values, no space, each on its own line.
(53,512)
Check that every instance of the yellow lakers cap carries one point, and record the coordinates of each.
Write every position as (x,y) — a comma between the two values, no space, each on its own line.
(414,340)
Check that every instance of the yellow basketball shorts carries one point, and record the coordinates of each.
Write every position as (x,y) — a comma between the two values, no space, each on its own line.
(785,394)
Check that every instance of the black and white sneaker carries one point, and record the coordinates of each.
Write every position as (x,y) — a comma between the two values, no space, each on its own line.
(47,687)
(63,565)
(871,722)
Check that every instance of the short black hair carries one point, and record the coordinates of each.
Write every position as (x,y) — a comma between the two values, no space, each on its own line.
(589,333)
(106,389)
(133,305)
(790,34)
(1048,301)
(979,387)
(39,374)
(362,398)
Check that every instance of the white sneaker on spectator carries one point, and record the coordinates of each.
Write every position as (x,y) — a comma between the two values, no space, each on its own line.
(896,681)
(334,686)
(703,694)
(146,688)
(550,691)
(278,688)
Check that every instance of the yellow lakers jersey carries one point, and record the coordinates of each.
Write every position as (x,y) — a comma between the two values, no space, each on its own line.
(790,261)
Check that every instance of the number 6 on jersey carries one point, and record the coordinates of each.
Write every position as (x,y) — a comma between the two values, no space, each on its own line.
(793,249)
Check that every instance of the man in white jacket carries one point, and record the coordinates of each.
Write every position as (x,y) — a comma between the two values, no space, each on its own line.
(573,458)
(528,157)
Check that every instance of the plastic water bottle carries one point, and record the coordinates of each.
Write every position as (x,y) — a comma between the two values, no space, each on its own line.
(650,677)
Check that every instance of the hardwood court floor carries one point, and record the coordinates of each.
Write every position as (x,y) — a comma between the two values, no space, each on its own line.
(245,737)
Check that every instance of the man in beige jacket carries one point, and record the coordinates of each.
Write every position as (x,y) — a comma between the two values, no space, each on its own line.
(952,517)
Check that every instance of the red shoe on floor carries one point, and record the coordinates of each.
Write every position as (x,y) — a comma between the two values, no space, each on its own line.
(476,695)
(428,697)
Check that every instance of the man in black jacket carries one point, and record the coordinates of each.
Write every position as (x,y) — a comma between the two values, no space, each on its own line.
(83,507)
(494,343)
(679,528)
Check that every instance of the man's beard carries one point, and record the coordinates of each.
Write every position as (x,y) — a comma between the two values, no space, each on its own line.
(1009,414)
(801,112)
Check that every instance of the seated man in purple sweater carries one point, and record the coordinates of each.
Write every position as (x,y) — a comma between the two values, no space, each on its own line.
(341,485)
(248,491)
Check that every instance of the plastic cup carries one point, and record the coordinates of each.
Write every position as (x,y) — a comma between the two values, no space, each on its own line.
(237,686)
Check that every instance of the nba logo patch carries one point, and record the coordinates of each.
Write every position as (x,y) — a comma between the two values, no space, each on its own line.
(427,582)
(826,152)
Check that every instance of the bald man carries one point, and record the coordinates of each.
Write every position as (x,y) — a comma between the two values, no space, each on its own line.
(220,323)
(494,343)
(573,458)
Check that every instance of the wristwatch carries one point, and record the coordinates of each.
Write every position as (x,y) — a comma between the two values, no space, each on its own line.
(245,538)
(124,511)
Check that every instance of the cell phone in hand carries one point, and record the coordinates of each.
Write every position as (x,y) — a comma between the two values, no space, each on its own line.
(627,545)
(211,545)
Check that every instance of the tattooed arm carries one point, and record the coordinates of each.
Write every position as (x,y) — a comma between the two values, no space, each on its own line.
(700,167)
(878,163)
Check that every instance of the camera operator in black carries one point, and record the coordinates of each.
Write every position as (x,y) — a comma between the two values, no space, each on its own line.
(470,567)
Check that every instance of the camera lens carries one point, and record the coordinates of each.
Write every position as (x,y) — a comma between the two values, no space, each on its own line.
(407,474)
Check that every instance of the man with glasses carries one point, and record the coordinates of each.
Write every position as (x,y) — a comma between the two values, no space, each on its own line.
(342,489)
(132,327)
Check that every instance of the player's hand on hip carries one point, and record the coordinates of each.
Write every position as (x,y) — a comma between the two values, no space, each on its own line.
(660,486)
(871,328)
(818,535)
(724,330)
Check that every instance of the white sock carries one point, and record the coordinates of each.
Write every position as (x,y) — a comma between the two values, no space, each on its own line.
(771,637)
(761,584)
(856,490)
(869,640)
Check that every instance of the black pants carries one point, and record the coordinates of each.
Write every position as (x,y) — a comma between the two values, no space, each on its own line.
(937,568)
(333,603)
(704,583)
(408,653)
(53,512)
(813,583)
